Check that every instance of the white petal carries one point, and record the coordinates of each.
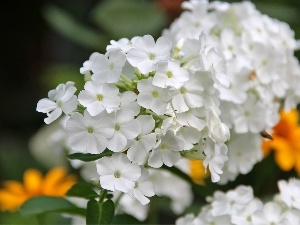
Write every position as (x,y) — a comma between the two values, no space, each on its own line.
(131,129)
(105,166)
(140,197)
(155,159)
(117,142)
(69,106)
(170,157)
(86,97)
(108,182)
(131,172)
(45,105)
(53,115)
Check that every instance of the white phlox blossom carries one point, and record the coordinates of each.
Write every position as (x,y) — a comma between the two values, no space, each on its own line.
(290,193)
(98,97)
(250,57)
(142,188)
(89,134)
(145,103)
(145,53)
(241,157)
(117,173)
(60,100)
(107,68)
(216,156)
(144,142)
(239,206)
(125,128)
(166,151)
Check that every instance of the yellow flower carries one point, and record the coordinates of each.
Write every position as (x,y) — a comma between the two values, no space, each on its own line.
(197,171)
(55,183)
(286,142)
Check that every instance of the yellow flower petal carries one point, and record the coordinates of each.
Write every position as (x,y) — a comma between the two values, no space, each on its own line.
(284,156)
(32,181)
(53,179)
(197,171)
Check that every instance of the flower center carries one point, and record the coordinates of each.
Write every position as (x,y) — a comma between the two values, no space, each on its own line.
(99,97)
(136,185)
(182,90)
(154,94)
(169,74)
(164,147)
(117,127)
(90,130)
(151,56)
(117,174)
(59,103)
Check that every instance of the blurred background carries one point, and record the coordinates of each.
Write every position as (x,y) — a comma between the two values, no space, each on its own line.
(44,43)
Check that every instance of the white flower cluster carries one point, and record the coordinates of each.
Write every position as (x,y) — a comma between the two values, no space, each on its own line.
(239,206)
(260,65)
(146,106)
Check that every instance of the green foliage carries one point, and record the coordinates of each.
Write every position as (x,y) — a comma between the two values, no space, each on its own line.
(46,204)
(100,212)
(63,73)
(129,18)
(62,22)
(82,190)
(88,157)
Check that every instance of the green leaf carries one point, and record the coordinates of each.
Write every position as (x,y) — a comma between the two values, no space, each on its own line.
(126,219)
(63,23)
(100,213)
(129,18)
(82,190)
(44,204)
(87,157)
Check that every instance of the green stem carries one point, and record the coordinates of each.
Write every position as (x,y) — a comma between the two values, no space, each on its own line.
(102,195)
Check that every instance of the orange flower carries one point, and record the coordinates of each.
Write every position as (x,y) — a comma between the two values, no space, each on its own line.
(286,141)
(197,171)
(55,183)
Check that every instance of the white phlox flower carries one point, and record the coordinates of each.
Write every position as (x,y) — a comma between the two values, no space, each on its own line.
(87,65)
(146,53)
(142,188)
(290,192)
(170,74)
(107,68)
(98,97)
(144,142)
(241,158)
(117,173)
(245,216)
(272,213)
(216,156)
(239,206)
(190,95)
(128,101)
(125,128)
(89,134)
(123,44)
(247,117)
(218,131)
(60,100)
(193,118)
(152,97)
(231,202)
(166,151)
